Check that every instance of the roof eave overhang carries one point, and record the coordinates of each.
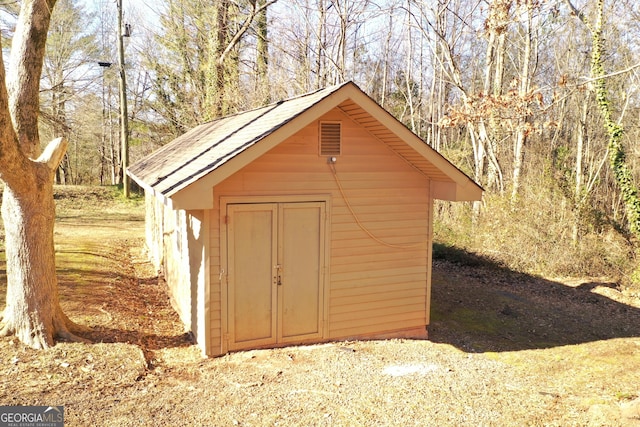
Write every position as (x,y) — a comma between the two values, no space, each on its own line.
(459,188)
(150,190)
(454,192)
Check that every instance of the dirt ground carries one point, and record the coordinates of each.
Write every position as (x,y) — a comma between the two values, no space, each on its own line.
(505,349)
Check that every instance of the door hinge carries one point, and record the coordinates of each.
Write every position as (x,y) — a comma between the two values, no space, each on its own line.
(278,277)
(226,219)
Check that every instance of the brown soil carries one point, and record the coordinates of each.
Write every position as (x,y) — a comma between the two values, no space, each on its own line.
(505,349)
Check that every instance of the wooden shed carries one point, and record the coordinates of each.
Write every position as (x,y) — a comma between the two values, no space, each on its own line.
(303,221)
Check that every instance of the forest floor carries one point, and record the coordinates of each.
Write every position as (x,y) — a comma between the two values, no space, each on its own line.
(505,349)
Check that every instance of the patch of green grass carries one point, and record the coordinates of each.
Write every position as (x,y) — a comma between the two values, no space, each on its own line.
(136,195)
(91,205)
(621,395)
(478,321)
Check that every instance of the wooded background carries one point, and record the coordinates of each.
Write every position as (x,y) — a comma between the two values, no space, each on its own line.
(503,88)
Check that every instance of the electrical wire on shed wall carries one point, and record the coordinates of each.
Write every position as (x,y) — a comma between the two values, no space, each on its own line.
(334,172)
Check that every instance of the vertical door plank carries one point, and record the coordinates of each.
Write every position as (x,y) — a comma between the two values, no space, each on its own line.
(252,256)
(301,248)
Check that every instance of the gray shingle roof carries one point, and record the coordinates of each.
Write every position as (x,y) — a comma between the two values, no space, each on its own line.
(208,146)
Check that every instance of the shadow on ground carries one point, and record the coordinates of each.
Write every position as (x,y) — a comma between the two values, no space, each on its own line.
(146,341)
(478,306)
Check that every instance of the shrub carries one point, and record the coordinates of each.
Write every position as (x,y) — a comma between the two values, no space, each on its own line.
(535,236)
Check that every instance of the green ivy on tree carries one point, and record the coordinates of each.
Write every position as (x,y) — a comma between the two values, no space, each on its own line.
(617,156)
(615,131)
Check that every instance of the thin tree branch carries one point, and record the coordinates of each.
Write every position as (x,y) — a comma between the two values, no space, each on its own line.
(257,8)
(578,13)
(613,74)
(53,153)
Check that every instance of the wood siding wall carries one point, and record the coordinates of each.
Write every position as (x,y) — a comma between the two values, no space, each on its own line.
(195,260)
(153,229)
(176,241)
(374,287)
(175,273)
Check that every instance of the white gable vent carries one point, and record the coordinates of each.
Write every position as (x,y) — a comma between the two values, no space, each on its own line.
(330,138)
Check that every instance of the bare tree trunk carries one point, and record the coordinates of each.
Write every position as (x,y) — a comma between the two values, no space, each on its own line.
(523,90)
(262,55)
(578,195)
(498,75)
(495,176)
(320,70)
(32,310)
(497,26)
(221,37)
(518,160)
(343,14)
(408,79)
(385,65)
(303,70)
(438,95)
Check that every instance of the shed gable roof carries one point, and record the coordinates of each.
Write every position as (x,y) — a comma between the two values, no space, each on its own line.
(219,148)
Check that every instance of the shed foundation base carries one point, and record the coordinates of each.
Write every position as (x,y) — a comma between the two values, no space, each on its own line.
(420,333)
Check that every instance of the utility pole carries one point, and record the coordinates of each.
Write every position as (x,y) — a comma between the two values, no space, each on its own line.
(124,121)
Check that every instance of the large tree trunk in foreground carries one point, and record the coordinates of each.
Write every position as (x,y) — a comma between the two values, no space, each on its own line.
(32,311)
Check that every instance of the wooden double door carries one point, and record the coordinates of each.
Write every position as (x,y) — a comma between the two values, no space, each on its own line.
(275,259)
